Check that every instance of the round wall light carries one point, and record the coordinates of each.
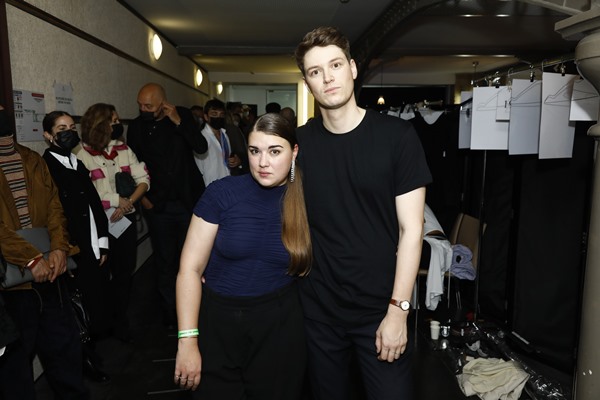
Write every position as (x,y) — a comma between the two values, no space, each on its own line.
(198,77)
(219,88)
(156,46)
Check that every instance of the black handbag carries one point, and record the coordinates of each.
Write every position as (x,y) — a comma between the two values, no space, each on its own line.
(81,316)
(125,184)
(40,238)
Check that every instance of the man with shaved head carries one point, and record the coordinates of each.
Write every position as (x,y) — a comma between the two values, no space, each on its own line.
(165,137)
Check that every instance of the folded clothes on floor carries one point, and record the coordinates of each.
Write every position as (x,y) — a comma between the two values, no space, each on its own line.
(492,379)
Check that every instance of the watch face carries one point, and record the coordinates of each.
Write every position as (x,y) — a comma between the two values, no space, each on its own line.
(404,305)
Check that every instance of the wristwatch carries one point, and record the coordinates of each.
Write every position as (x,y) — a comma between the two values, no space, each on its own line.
(404,305)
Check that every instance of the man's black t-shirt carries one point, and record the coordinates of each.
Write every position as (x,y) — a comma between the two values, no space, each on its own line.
(351,181)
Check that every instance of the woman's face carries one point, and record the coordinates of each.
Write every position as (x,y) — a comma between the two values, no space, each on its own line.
(270,158)
(62,123)
(115,118)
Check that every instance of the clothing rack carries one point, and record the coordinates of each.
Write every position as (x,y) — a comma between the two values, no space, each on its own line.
(494,79)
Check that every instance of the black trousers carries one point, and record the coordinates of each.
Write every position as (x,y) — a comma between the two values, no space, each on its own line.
(330,352)
(168,229)
(47,326)
(252,348)
(122,259)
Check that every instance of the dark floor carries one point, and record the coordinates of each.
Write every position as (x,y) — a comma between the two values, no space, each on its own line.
(144,370)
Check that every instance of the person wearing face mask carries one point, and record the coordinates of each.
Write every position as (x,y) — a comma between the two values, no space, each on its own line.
(215,163)
(88,229)
(40,309)
(104,155)
(166,137)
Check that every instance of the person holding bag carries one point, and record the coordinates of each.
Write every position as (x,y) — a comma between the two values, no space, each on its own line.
(88,229)
(105,155)
(40,309)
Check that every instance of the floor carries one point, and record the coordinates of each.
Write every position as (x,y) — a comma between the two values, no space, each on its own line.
(143,370)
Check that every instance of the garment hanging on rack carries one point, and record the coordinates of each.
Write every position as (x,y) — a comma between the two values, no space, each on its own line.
(408,112)
(430,116)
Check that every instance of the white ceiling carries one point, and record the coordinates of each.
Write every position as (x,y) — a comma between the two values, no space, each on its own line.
(420,41)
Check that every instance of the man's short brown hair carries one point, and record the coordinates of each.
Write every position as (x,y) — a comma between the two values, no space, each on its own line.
(322,37)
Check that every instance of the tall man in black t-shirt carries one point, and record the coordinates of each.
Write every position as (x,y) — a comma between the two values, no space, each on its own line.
(364,184)
(165,136)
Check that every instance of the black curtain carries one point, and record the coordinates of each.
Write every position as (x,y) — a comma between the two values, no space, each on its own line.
(551,227)
(533,251)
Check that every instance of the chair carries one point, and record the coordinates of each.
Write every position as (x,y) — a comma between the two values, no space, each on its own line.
(465,231)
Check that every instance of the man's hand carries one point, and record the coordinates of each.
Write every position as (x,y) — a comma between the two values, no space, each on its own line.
(41,271)
(146,203)
(234,161)
(391,336)
(57,262)
(170,111)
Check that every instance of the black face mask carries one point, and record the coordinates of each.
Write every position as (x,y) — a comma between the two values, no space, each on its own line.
(117,131)
(217,123)
(67,139)
(5,126)
(147,115)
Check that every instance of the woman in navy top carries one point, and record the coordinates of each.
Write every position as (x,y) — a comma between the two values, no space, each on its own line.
(241,331)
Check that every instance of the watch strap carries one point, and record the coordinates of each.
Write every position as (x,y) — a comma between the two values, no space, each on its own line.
(398,303)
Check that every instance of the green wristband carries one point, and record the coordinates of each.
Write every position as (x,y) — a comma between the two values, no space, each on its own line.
(187,333)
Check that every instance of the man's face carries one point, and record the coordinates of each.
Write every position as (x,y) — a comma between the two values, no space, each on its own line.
(148,101)
(215,118)
(329,76)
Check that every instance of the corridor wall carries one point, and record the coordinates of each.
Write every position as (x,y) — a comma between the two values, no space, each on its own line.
(98,47)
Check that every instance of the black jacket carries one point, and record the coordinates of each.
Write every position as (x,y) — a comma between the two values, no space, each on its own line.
(77,195)
(167,151)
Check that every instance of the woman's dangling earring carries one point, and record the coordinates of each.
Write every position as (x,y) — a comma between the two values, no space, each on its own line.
(293,171)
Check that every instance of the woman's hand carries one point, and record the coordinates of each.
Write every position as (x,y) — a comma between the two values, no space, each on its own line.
(125,204)
(188,364)
(117,215)
(103,259)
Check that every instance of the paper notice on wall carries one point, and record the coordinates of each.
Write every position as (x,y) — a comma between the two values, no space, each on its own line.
(64,97)
(556,131)
(487,133)
(30,109)
(464,124)
(525,111)
(585,102)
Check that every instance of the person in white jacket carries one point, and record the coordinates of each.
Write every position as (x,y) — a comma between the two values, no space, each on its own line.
(104,155)
(216,162)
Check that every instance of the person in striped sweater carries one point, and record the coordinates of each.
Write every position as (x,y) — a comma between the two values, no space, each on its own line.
(40,309)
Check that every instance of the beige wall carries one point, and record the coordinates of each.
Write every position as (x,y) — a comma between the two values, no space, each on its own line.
(42,54)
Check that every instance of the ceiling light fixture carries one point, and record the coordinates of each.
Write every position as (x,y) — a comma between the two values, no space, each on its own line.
(381,100)
(156,47)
